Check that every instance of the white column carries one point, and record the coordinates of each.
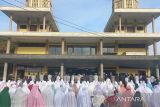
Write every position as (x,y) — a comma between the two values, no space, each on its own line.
(132,4)
(124,4)
(8,46)
(44,23)
(153,25)
(63,47)
(6,64)
(62,71)
(101,71)
(10,23)
(157,71)
(120,23)
(101,47)
(154,48)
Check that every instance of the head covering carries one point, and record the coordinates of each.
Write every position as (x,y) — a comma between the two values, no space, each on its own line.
(5,100)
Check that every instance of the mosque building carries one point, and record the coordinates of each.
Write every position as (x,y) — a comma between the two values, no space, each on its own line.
(38,47)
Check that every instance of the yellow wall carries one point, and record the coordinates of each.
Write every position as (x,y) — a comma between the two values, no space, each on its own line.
(23,30)
(31,50)
(123,50)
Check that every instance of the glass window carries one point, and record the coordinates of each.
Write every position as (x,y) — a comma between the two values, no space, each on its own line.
(122,28)
(140,28)
(70,51)
(41,27)
(78,51)
(55,50)
(86,51)
(33,28)
(81,50)
(23,26)
(131,29)
(108,50)
(93,51)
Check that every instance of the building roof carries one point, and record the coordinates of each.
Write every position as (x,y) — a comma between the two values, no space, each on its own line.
(143,16)
(23,14)
(72,37)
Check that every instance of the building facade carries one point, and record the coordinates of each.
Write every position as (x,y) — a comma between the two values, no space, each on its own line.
(39,47)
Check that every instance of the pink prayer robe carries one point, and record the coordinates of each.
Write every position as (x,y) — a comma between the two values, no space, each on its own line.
(35,98)
(127,95)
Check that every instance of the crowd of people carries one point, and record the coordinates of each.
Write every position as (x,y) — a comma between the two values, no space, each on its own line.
(130,91)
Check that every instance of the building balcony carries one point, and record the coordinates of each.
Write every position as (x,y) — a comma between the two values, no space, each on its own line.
(133,61)
(71,37)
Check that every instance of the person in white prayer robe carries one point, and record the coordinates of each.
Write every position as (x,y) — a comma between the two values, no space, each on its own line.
(155,97)
(12,90)
(59,96)
(145,93)
(98,98)
(70,99)
(48,95)
(20,98)
(83,98)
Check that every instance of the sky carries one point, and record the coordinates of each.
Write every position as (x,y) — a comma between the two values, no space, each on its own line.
(90,14)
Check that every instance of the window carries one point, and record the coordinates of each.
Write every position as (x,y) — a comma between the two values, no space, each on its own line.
(122,28)
(140,28)
(23,26)
(41,27)
(131,29)
(33,28)
(109,50)
(78,50)
(70,51)
(81,50)
(55,50)
(93,51)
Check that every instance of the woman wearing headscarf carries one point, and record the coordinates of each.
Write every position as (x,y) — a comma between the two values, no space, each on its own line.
(83,98)
(35,98)
(98,98)
(138,100)
(5,100)
(48,95)
(59,96)
(70,99)
(155,97)
(126,97)
(20,98)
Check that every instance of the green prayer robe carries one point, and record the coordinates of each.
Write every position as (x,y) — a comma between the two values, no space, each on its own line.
(5,100)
